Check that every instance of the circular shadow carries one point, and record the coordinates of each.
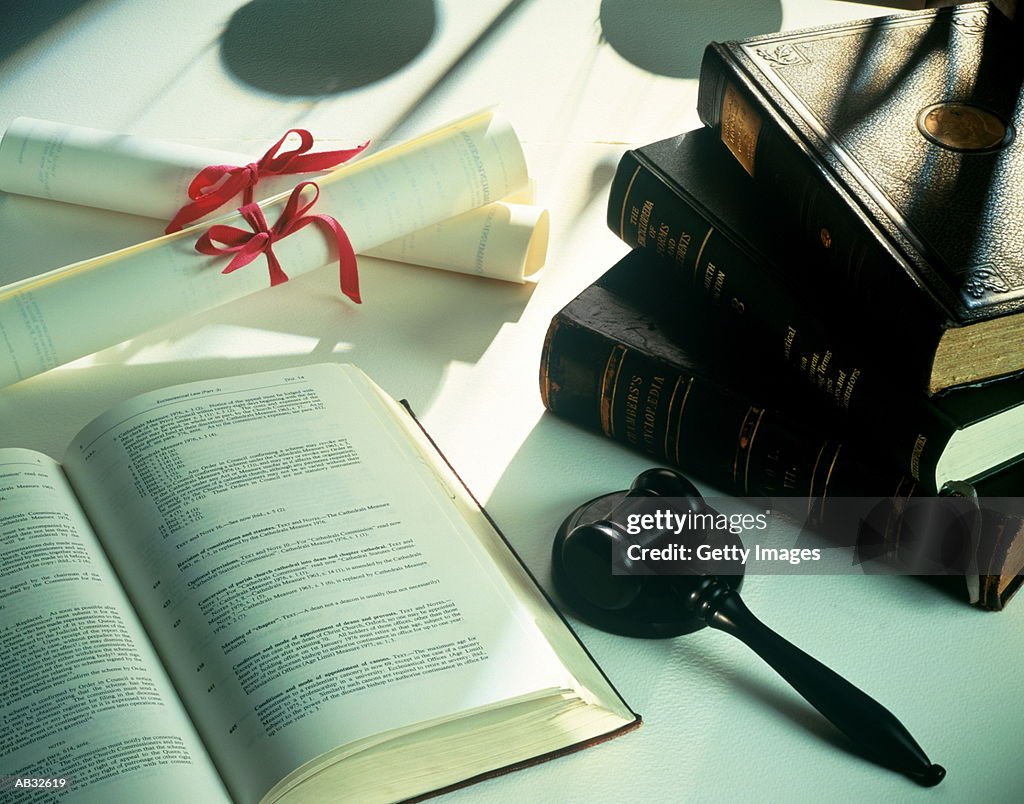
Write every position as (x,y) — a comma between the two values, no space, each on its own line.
(668,37)
(312,47)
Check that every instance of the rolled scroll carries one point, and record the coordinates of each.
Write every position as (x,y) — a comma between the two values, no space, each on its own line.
(51,319)
(148,177)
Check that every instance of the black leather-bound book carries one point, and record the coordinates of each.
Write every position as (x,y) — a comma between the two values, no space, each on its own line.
(639,358)
(896,143)
(687,201)
(684,200)
(631,359)
(640,321)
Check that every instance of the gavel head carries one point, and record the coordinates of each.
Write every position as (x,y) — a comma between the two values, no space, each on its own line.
(611,585)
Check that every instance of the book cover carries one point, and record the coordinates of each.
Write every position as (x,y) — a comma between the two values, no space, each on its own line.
(635,359)
(686,202)
(894,142)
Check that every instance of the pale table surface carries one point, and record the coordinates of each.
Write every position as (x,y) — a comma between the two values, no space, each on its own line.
(581,80)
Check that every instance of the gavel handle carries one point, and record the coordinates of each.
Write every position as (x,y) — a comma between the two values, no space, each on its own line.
(872,727)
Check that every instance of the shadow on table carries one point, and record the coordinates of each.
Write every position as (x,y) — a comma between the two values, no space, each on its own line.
(669,38)
(558,467)
(23,22)
(311,48)
(691,657)
(308,47)
(413,323)
(545,481)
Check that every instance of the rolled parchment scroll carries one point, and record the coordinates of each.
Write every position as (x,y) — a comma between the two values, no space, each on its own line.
(148,177)
(51,319)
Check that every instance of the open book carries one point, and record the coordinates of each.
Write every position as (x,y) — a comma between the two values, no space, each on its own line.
(271,588)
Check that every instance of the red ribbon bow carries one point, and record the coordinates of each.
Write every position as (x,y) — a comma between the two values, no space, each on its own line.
(215,185)
(247,246)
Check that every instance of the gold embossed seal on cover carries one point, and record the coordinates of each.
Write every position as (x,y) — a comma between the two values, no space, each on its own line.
(963,127)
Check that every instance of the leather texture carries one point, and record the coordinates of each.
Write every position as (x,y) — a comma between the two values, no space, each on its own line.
(858,95)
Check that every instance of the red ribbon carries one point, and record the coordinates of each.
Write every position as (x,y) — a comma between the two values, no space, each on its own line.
(215,185)
(247,246)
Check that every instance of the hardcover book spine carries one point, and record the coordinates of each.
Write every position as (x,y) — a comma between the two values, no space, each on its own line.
(684,419)
(835,230)
(649,210)
(689,421)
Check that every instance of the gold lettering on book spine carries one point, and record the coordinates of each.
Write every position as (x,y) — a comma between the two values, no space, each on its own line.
(700,252)
(609,386)
(625,203)
(744,440)
(632,414)
(741,127)
(668,415)
(649,424)
(679,420)
(848,391)
(915,456)
(645,219)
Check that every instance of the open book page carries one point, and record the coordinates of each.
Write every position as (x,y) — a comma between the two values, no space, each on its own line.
(303,577)
(54,318)
(83,697)
(589,681)
(91,167)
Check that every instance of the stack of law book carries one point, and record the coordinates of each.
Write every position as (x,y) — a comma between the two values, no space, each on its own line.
(826,290)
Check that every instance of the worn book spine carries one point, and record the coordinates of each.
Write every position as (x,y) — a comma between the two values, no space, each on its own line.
(860,267)
(668,408)
(673,413)
(644,306)
(652,210)
(766,321)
